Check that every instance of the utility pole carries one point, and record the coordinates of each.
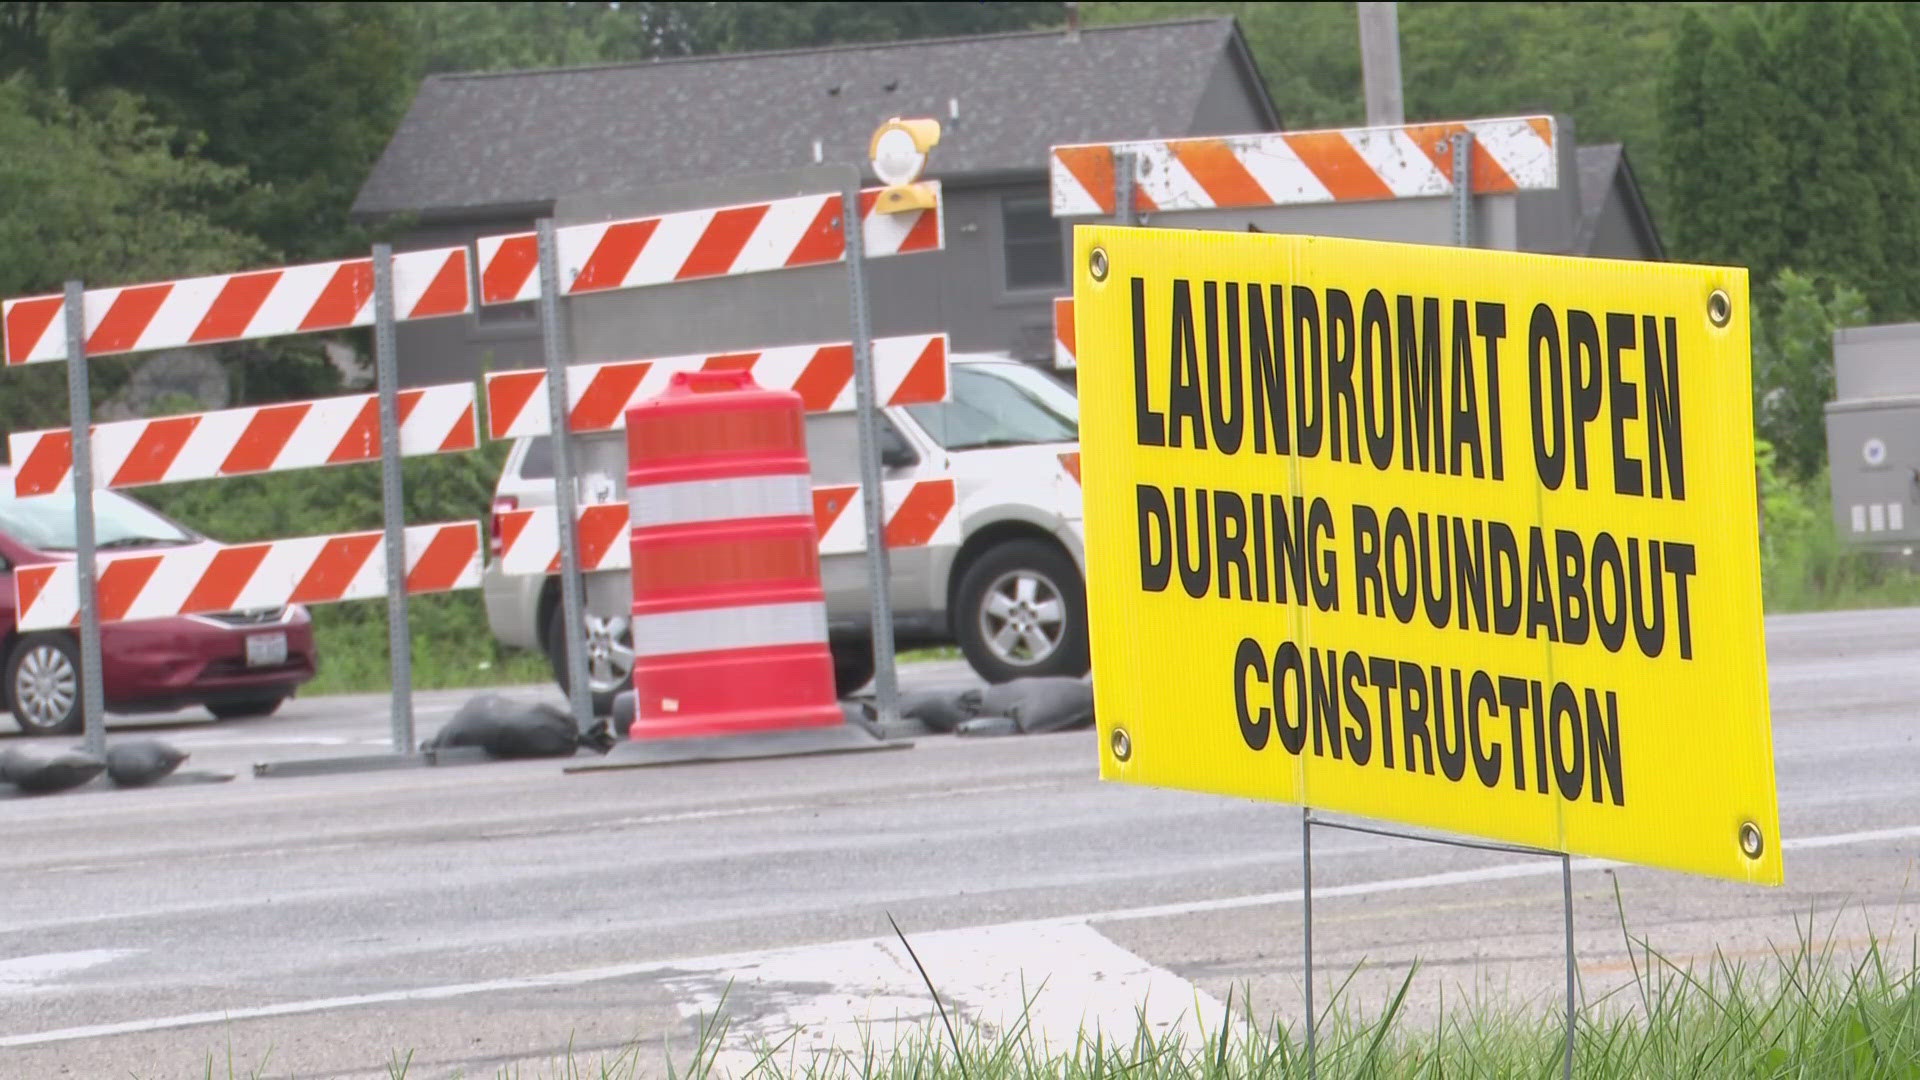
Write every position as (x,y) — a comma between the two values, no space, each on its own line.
(1380,63)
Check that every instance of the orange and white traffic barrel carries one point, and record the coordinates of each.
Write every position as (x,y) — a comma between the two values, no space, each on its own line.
(729,619)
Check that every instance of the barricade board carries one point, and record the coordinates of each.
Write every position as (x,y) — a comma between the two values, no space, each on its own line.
(1461,539)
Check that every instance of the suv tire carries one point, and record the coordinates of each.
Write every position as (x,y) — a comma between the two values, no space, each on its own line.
(852,664)
(609,656)
(1021,611)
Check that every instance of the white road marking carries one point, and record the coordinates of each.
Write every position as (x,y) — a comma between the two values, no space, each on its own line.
(849,997)
(581,976)
(26,974)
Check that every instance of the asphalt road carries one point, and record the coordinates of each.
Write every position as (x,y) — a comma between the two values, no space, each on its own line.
(492,916)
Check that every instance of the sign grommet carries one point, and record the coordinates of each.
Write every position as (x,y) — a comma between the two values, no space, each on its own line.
(1752,843)
(1122,745)
(1097,264)
(1719,307)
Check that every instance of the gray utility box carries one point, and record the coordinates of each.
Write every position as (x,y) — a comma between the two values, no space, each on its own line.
(1873,436)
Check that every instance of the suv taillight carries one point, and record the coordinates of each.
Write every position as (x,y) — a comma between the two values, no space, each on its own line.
(501,504)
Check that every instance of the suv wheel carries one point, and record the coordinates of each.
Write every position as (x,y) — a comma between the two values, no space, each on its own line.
(1022,611)
(852,664)
(43,684)
(609,644)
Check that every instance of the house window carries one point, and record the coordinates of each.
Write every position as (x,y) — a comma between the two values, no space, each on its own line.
(1035,257)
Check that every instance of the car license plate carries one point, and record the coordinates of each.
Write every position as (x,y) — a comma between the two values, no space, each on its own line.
(266,650)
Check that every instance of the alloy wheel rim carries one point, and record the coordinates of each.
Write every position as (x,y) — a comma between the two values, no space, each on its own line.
(1022,618)
(609,644)
(46,686)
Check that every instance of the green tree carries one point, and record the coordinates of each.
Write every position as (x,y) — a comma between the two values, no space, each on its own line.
(1725,155)
(1793,364)
(302,96)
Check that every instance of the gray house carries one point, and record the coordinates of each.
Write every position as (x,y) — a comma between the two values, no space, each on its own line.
(482,154)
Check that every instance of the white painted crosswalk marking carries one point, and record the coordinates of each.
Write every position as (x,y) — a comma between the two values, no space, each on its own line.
(1065,982)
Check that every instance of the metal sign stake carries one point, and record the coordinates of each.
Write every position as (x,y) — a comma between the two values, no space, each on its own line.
(1463,189)
(879,592)
(392,506)
(1306,904)
(1123,188)
(1566,895)
(86,569)
(572,602)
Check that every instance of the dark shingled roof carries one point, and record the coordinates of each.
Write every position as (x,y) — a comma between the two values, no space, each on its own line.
(1600,166)
(522,139)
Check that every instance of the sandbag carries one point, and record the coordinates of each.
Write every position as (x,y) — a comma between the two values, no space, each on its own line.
(982,727)
(505,728)
(139,762)
(1038,705)
(1052,704)
(42,774)
(936,711)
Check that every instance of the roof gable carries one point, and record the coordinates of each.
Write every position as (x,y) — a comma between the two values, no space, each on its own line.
(522,139)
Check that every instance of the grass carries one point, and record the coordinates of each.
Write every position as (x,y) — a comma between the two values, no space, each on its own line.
(1810,1012)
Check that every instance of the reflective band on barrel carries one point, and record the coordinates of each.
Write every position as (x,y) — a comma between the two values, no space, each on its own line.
(719,500)
(719,629)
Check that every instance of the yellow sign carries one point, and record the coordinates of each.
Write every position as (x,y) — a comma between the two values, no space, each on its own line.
(1461,539)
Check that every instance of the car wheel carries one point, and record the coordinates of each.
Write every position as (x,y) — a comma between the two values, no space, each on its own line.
(239,708)
(43,685)
(609,655)
(852,665)
(1022,611)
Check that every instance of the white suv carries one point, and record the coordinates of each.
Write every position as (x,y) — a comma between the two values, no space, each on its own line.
(1012,594)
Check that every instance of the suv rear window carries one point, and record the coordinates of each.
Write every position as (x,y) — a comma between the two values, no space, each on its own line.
(538,462)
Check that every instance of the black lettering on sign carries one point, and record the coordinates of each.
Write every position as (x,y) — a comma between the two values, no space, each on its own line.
(1230,532)
(1466,398)
(1149,427)
(1470,578)
(1258,515)
(1366,561)
(1569,750)
(1609,592)
(1342,419)
(1183,393)
(1326,702)
(1507,590)
(1436,576)
(1195,544)
(1574,612)
(1267,357)
(1402,586)
(1292,722)
(1446,717)
(1416,709)
(1513,694)
(1583,363)
(1649,611)
(1490,323)
(1307,370)
(1665,462)
(1543,350)
(1384,672)
(1326,576)
(1226,405)
(1156,535)
(1623,404)
(1376,378)
(1481,701)
(1603,748)
(1422,424)
(1290,551)
(1353,676)
(1539,586)
(1449,724)
(1679,558)
(1254,727)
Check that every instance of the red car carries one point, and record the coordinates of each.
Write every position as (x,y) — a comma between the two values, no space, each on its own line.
(235,663)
